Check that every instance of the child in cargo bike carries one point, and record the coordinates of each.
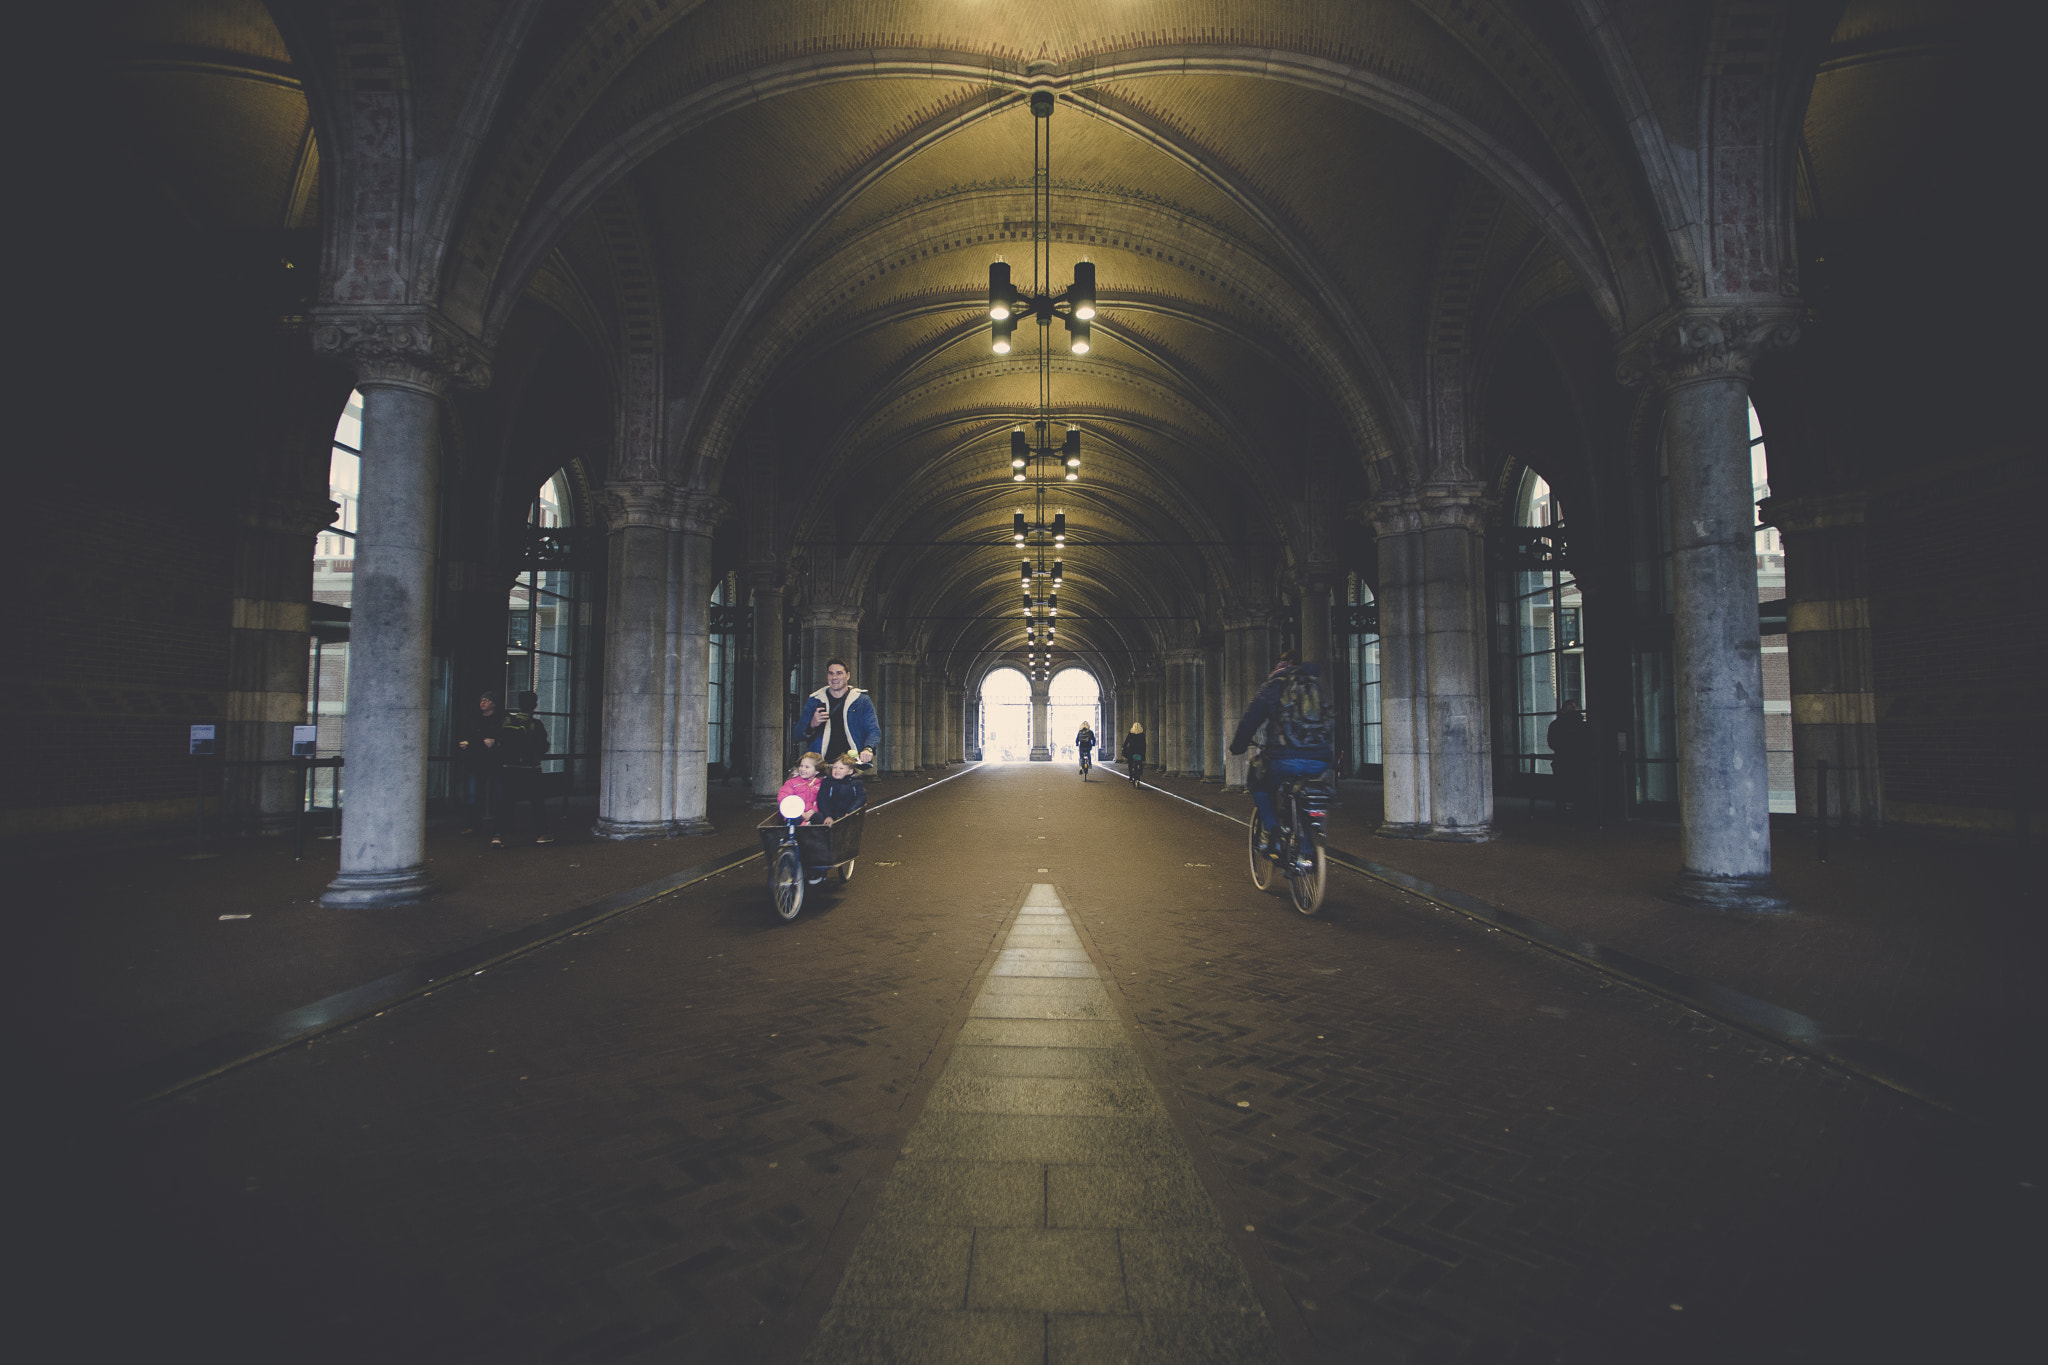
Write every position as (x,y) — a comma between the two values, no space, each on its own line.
(839,795)
(804,782)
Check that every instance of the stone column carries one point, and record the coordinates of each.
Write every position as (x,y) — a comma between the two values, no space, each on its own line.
(1315,584)
(267,647)
(1217,724)
(1827,633)
(1041,694)
(633,783)
(956,736)
(771,686)
(833,632)
(1184,709)
(699,515)
(1248,651)
(894,712)
(927,716)
(973,722)
(1436,747)
(1702,362)
(384,825)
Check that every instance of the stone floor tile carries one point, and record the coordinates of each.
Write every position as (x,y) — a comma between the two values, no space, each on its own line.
(1184,1270)
(865,1336)
(906,1265)
(1040,1006)
(1093,1034)
(1070,1271)
(966,1194)
(1129,1096)
(1043,955)
(1050,970)
(1079,1063)
(1018,1137)
(1162,1339)
(1128,1196)
(1004,986)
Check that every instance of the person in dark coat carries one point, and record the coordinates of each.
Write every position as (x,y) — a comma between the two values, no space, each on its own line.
(1571,758)
(1285,756)
(1133,751)
(522,744)
(476,754)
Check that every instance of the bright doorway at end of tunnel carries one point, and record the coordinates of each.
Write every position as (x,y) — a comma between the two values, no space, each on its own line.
(1074,697)
(1005,717)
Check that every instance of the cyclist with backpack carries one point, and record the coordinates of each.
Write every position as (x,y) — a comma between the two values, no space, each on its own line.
(522,744)
(1084,740)
(1298,739)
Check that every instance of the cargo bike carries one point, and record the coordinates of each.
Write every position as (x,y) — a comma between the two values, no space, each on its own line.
(796,851)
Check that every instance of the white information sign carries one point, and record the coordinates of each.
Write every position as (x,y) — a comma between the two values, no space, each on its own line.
(305,739)
(202,739)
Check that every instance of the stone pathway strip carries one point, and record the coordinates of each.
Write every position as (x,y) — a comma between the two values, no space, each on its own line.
(1045,1209)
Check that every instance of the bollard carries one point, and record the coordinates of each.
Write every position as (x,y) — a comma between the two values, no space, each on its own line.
(1820,791)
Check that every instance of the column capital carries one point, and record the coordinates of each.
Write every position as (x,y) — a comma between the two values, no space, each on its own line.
(406,347)
(287,514)
(631,502)
(1701,345)
(1185,656)
(831,616)
(699,512)
(1317,577)
(1248,618)
(896,657)
(766,578)
(1433,505)
(1825,513)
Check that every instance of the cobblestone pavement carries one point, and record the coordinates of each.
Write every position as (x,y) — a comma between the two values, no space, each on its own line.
(661,1140)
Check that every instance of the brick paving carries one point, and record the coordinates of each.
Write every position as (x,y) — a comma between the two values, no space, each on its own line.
(664,1139)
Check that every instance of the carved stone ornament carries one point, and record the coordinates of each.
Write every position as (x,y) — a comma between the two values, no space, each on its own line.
(1243,618)
(288,514)
(1694,347)
(833,618)
(1463,505)
(636,504)
(1795,516)
(415,347)
(701,512)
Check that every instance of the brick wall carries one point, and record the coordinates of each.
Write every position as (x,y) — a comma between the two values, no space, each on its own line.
(123,644)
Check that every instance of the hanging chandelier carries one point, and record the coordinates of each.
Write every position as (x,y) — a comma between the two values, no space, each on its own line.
(1038,461)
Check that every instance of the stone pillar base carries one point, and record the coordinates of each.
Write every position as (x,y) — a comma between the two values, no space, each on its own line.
(1407,830)
(759,802)
(368,890)
(1750,895)
(630,829)
(1041,754)
(692,827)
(1213,781)
(1461,834)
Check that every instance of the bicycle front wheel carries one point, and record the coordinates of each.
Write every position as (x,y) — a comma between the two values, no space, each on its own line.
(786,884)
(1262,866)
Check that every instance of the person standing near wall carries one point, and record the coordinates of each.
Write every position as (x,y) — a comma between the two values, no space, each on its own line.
(1571,758)
(477,755)
(522,744)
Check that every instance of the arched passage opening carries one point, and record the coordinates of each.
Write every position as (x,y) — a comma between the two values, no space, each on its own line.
(1073,698)
(1005,716)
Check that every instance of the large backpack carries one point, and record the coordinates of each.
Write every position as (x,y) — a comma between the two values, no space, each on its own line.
(1301,720)
(524,740)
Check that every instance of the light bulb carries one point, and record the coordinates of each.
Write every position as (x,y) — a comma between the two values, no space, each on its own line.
(1002,345)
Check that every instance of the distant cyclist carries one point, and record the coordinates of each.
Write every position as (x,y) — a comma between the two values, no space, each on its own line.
(1134,752)
(1084,740)
(1297,740)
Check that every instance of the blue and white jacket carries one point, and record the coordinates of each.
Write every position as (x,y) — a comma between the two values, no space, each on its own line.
(861,726)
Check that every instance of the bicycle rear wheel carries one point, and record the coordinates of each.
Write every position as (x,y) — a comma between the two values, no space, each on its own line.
(1308,869)
(786,884)
(1262,866)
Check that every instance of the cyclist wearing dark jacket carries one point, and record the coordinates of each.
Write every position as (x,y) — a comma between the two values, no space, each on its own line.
(1282,759)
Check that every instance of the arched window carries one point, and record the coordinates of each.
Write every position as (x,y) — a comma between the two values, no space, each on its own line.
(724,660)
(1777,669)
(1006,716)
(334,566)
(543,620)
(1362,625)
(1548,618)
